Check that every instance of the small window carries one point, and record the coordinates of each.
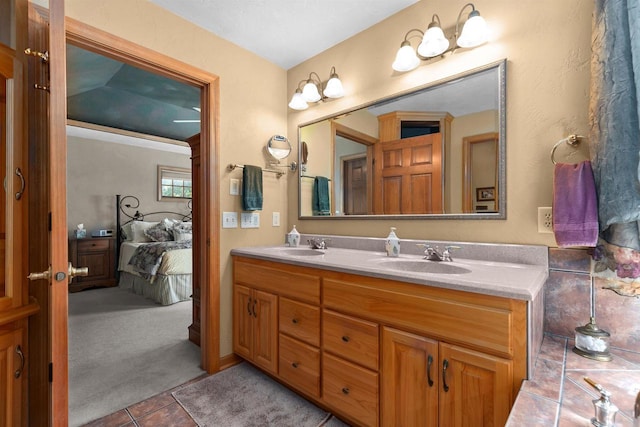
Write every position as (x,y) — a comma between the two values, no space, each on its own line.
(174,183)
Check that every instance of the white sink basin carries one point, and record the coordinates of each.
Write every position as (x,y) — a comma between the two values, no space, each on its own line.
(423,266)
(300,252)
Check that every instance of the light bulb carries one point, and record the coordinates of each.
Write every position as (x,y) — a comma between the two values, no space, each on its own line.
(474,32)
(334,87)
(310,92)
(433,43)
(298,102)
(406,58)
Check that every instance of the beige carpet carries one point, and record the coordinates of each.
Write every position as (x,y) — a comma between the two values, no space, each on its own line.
(243,396)
(124,348)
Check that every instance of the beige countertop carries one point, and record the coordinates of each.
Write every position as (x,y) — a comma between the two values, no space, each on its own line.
(504,279)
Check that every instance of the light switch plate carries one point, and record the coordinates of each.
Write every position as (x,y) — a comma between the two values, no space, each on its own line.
(276,219)
(234,186)
(229,219)
(250,220)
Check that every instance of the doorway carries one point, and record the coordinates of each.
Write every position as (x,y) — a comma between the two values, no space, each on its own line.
(205,207)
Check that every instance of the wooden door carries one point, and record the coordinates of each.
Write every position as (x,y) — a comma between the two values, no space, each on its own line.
(242,321)
(355,186)
(408,175)
(48,218)
(11,388)
(479,388)
(409,379)
(265,335)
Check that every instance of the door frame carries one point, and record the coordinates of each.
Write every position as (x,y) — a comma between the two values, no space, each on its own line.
(103,43)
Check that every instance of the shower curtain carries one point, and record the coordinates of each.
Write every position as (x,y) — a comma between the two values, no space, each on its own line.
(614,116)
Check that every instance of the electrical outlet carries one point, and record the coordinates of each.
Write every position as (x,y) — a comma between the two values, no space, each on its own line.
(545,220)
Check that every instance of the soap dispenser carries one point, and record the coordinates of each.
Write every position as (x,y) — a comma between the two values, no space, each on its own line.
(392,245)
(293,238)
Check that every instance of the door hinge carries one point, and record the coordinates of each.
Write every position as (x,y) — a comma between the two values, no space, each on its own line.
(51,372)
(50,221)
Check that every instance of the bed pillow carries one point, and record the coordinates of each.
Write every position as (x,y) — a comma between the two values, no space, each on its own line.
(127,233)
(182,231)
(158,233)
(137,231)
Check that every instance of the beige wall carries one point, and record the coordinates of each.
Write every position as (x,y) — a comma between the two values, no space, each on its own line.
(547,47)
(546,43)
(253,104)
(97,171)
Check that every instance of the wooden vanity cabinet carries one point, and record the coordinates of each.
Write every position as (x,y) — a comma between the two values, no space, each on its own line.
(255,327)
(429,383)
(374,351)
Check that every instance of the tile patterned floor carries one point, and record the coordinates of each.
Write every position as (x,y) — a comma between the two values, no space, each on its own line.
(161,410)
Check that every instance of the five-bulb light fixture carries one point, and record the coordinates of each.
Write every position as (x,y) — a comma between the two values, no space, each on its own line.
(435,43)
(312,88)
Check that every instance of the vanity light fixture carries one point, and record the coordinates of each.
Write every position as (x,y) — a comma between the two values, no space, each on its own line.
(312,89)
(436,43)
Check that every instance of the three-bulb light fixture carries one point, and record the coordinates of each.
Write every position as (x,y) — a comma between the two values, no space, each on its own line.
(312,89)
(435,43)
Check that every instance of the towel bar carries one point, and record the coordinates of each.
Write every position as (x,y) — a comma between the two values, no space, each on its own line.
(233,166)
(572,140)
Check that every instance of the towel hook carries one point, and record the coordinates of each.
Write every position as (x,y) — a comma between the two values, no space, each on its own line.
(572,140)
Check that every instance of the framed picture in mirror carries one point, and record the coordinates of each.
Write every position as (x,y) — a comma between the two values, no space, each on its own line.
(486,194)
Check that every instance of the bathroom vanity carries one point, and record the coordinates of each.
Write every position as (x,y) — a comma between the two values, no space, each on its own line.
(390,342)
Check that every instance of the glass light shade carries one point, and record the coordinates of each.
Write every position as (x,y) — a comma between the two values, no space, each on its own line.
(474,32)
(433,43)
(406,58)
(334,88)
(310,92)
(298,102)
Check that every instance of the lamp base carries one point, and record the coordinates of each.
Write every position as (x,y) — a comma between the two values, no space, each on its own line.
(595,355)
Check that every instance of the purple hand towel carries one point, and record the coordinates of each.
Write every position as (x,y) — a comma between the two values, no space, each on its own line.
(575,206)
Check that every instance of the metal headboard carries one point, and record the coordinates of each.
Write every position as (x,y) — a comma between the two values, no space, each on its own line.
(127,207)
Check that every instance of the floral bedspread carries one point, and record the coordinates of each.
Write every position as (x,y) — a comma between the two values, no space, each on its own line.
(147,258)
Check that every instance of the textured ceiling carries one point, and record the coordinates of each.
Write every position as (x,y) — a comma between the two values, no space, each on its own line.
(106,92)
(285,32)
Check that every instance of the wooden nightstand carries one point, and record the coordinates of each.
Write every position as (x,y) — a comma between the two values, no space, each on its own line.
(97,253)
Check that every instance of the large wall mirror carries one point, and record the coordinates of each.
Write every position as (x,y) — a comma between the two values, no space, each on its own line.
(435,152)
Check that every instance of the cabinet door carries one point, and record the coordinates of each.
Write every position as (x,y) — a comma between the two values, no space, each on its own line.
(265,333)
(242,321)
(476,388)
(409,379)
(10,363)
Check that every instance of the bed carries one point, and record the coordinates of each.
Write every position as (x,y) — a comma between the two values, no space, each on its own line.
(154,252)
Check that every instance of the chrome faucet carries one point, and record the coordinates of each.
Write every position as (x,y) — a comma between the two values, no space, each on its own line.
(433,254)
(318,243)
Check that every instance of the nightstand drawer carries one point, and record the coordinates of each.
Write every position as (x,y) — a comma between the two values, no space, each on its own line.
(351,338)
(93,245)
(299,365)
(301,321)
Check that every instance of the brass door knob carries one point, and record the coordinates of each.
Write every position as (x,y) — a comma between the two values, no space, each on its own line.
(45,275)
(77,271)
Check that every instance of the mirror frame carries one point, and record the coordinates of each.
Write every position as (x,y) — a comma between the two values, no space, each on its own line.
(501,67)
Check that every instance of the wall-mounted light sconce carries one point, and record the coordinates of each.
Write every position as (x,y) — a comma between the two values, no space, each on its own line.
(435,43)
(312,88)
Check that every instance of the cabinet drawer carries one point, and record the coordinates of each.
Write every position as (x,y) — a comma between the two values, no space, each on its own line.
(93,245)
(300,320)
(351,338)
(299,365)
(283,282)
(350,389)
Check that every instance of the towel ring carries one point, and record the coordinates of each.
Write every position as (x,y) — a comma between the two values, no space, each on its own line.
(572,140)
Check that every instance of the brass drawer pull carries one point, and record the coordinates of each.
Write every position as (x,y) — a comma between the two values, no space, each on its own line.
(346,338)
(345,390)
